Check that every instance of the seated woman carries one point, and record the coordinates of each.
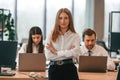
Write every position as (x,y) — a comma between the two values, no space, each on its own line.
(35,42)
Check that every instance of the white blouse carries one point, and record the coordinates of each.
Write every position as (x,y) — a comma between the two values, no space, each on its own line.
(62,45)
(23,49)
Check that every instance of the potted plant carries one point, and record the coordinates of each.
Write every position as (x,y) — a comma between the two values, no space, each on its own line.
(7,23)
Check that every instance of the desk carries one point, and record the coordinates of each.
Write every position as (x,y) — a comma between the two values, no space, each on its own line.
(82,76)
(22,76)
(97,76)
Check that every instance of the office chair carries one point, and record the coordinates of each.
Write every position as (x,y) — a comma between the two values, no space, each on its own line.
(102,43)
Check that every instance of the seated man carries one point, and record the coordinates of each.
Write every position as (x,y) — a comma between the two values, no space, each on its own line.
(92,49)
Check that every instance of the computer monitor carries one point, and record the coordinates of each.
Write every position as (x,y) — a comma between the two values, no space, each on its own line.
(8,54)
(115,41)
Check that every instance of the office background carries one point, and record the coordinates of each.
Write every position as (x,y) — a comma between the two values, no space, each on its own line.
(86,13)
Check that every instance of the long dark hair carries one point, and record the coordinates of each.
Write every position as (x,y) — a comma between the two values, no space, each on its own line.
(35,30)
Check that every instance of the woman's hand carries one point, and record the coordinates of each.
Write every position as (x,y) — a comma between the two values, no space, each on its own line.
(51,48)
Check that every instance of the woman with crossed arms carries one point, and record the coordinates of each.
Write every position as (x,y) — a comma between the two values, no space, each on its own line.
(62,45)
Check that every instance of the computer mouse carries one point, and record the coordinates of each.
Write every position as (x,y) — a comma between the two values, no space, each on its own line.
(32,74)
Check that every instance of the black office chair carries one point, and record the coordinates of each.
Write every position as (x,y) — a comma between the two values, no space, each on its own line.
(102,43)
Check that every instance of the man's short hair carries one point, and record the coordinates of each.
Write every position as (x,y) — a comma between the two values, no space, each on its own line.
(88,32)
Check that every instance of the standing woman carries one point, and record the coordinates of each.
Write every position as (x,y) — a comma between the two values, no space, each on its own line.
(62,45)
(35,42)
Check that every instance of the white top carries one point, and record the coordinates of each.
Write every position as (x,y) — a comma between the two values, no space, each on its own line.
(23,49)
(99,51)
(62,45)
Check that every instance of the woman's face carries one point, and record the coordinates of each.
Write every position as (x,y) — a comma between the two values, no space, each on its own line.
(36,39)
(63,21)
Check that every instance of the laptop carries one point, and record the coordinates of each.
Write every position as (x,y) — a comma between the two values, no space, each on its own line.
(32,62)
(92,63)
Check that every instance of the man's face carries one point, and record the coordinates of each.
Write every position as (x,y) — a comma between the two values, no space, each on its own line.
(90,41)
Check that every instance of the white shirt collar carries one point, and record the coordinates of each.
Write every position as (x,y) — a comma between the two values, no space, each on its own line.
(86,50)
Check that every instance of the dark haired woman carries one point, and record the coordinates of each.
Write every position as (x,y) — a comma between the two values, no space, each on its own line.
(35,42)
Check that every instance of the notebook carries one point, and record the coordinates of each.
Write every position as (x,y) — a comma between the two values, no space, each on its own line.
(32,62)
(92,63)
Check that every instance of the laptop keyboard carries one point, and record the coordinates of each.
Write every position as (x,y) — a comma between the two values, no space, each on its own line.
(7,74)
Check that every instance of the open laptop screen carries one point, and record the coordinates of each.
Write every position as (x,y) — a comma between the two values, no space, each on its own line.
(92,63)
(32,62)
